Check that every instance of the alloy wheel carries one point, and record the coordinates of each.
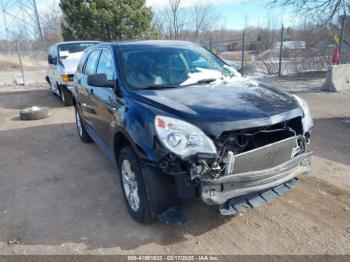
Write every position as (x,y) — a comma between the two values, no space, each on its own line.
(130,185)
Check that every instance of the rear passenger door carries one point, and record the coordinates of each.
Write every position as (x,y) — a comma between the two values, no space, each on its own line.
(104,98)
(86,101)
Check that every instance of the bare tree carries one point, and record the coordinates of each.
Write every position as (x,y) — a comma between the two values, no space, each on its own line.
(176,22)
(321,10)
(204,18)
(185,22)
(172,20)
(51,24)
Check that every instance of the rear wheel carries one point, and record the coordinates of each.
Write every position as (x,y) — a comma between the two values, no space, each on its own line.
(133,186)
(66,96)
(84,136)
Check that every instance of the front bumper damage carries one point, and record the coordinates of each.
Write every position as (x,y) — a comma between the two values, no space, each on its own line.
(243,184)
(247,179)
(219,190)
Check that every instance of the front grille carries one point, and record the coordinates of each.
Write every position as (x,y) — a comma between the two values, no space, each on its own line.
(264,157)
(267,146)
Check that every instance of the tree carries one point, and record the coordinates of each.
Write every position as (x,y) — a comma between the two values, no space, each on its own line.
(175,18)
(49,23)
(177,21)
(204,18)
(320,10)
(106,20)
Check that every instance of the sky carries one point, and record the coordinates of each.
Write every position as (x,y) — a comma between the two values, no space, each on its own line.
(236,14)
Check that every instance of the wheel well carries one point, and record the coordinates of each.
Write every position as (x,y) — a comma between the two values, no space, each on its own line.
(120,141)
(48,80)
(74,101)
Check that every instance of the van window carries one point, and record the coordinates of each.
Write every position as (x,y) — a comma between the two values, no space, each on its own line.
(73,49)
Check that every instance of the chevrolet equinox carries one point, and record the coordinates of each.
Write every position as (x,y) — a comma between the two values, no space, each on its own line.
(180,123)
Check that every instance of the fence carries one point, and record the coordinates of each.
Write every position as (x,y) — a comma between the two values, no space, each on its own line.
(23,67)
(251,53)
(279,55)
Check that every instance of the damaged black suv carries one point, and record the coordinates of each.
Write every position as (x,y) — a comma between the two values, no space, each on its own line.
(180,123)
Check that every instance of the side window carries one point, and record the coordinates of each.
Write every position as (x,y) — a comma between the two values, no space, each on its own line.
(90,64)
(105,65)
(82,63)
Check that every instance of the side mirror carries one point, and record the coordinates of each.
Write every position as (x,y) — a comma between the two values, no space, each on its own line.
(100,80)
(51,60)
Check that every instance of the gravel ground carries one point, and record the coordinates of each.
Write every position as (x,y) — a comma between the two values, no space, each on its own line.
(58,195)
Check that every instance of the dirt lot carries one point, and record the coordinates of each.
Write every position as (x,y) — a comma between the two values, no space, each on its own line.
(58,195)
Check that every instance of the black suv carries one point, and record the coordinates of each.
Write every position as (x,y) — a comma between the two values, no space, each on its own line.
(180,123)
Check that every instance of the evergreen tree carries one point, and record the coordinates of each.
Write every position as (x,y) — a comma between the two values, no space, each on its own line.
(106,20)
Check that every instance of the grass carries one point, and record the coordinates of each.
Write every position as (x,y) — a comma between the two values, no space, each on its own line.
(11,62)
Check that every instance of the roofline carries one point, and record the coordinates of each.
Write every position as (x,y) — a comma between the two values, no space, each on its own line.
(76,42)
(132,42)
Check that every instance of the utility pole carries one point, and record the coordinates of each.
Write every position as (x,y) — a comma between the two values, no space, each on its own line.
(38,24)
(22,26)
(342,37)
(20,62)
(281,49)
(243,41)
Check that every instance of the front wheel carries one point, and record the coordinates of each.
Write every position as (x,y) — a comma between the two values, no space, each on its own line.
(133,186)
(83,135)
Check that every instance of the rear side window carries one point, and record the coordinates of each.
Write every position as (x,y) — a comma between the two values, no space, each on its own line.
(105,65)
(90,65)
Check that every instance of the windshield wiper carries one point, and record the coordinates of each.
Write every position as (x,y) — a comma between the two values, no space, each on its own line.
(155,87)
(168,86)
(203,81)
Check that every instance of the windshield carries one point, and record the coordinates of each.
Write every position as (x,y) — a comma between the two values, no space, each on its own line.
(171,66)
(74,49)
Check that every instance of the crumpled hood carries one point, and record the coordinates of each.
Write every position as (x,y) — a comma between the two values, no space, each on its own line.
(224,106)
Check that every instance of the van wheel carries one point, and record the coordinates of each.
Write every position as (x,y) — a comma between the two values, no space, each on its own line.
(66,96)
(133,186)
(84,136)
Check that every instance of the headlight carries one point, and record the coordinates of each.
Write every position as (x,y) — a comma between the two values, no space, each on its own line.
(307,121)
(182,138)
(65,78)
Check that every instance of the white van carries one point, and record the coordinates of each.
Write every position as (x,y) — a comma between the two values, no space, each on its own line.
(63,59)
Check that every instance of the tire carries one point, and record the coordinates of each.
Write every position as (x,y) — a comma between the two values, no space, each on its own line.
(66,96)
(83,134)
(34,113)
(140,210)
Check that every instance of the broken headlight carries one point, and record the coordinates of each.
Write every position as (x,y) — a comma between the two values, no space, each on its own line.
(182,138)
(307,121)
